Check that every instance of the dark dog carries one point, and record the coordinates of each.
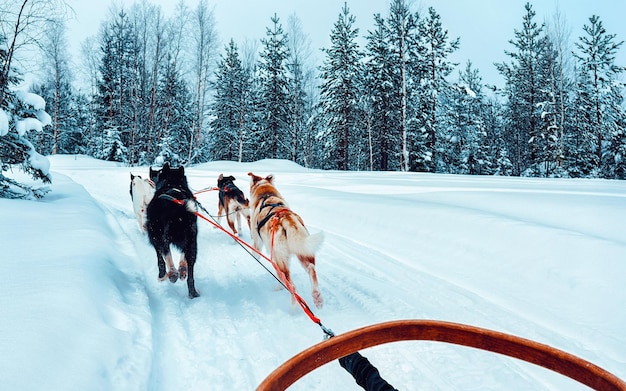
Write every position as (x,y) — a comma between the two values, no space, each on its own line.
(171,221)
(232,202)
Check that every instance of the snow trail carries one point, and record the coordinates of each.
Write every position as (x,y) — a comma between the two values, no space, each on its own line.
(397,246)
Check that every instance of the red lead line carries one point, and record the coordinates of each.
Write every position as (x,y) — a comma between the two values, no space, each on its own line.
(281,275)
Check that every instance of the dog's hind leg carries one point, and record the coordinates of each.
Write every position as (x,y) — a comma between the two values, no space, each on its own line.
(220,210)
(190,255)
(161,265)
(282,261)
(238,217)
(183,267)
(173,273)
(308,263)
(231,223)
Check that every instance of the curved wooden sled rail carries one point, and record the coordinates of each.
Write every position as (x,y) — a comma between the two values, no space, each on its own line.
(431,330)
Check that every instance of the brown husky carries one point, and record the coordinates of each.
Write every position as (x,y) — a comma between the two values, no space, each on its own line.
(282,231)
(232,203)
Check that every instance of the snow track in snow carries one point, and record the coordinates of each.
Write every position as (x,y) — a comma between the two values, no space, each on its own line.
(240,328)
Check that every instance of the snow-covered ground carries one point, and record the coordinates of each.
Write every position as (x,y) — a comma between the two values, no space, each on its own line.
(81,307)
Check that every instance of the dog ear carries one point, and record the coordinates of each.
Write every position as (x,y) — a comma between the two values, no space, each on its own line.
(219,178)
(166,166)
(254,178)
(269,178)
(231,178)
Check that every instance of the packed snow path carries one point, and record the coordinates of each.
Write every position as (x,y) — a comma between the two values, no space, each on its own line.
(542,259)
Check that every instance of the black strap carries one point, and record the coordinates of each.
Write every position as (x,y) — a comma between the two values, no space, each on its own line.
(174,194)
(269,215)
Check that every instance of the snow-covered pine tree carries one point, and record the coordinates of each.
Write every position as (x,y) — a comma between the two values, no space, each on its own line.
(465,145)
(272,136)
(19,112)
(546,143)
(250,101)
(116,100)
(498,155)
(227,130)
(562,83)
(436,68)
(580,144)
(401,30)
(524,88)
(340,94)
(614,158)
(383,88)
(113,149)
(173,114)
(596,59)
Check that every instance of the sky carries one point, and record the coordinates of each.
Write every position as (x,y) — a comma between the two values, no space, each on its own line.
(82,308)
(484,26)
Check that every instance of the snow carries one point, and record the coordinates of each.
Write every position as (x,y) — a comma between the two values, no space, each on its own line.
(26,124)
(4,123)
(39,162)
(31,99)
(82,308)
(43,117)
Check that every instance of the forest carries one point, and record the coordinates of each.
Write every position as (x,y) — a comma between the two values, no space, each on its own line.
(161,87)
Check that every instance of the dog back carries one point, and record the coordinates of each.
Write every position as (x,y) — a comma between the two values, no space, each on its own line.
(169,222)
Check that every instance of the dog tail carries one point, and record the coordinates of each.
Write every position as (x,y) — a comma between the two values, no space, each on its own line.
(313,242)
(305,244)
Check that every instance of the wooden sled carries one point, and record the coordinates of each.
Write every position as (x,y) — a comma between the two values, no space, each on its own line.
(430,330)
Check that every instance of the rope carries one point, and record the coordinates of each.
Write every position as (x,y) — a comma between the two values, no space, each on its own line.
(364,373)
(205,190)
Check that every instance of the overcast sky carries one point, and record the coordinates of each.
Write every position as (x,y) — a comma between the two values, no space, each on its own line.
(484,26)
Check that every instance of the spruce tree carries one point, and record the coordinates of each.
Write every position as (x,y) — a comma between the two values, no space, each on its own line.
(227,126)
(20,112)
(580,144)
(525,88)
(382,106)
(596,59)
(404,49)
(116,101)
(436,68)
(339,92)
(174,115)
(465,146)
(273,136)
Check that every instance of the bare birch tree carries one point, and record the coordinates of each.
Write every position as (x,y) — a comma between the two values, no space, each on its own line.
(204,53)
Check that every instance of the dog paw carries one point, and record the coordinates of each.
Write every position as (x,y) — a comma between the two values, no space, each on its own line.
(317,299)
(183,271)
(193,294)
(173,275)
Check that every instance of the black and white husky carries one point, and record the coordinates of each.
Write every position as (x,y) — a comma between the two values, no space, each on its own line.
(171,221)
(141,192)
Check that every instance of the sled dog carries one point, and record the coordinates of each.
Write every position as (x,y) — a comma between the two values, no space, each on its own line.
(282,231)
(172,222)
(232,202)
(141,192)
